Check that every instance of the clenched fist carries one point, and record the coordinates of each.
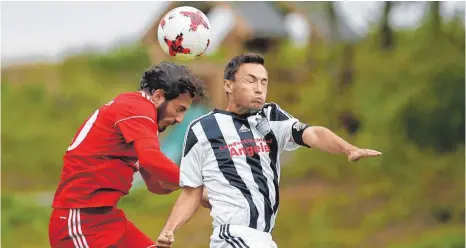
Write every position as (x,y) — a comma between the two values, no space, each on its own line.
(165,239)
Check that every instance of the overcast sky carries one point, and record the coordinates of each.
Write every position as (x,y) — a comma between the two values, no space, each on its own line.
(51,28)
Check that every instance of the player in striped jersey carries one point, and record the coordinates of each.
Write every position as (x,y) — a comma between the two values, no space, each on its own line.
(235,155)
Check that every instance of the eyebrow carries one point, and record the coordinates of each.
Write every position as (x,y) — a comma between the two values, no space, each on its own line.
(249,74)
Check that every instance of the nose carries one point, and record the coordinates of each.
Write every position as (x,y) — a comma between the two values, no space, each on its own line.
(259,88)
(179,118)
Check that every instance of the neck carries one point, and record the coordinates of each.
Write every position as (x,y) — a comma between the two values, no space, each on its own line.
(235,108)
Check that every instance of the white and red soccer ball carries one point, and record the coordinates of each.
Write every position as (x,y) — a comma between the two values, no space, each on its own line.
(184,33)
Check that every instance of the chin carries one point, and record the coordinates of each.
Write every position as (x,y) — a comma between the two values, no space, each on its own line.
(256,106)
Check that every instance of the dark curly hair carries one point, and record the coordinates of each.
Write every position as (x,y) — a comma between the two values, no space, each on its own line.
(173,79)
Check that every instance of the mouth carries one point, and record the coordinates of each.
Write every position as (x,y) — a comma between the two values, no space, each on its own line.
(257,100)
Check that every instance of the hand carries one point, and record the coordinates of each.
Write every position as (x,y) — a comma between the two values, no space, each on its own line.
(165,239)
(358,153)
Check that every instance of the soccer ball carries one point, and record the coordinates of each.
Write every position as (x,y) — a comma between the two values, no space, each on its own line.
(184,33)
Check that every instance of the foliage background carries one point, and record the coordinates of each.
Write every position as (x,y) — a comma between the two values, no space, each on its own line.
(407,97)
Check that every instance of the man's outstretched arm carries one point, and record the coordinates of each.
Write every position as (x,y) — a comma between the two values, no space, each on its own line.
(185,207)
(327,141)
(156,169)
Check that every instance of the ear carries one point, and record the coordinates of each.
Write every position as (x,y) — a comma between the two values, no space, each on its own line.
(228,86)
(158,97)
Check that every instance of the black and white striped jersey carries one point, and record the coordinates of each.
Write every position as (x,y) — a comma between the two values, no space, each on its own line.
(237,158)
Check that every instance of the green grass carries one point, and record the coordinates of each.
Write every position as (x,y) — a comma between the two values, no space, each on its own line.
(408,100)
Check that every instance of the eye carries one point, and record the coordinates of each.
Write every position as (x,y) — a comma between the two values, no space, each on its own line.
(181,110)
(249,79)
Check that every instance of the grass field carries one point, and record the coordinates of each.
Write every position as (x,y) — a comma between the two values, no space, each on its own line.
(410,102)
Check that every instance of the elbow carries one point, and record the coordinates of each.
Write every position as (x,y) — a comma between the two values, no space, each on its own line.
(205,199)
(163,188)
(155,186)
(206,204)
(164,192)
(159,190)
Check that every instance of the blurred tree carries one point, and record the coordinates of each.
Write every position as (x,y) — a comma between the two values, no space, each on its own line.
(435,118)
(434,13)
(332,19)
(386,32)
(454,31)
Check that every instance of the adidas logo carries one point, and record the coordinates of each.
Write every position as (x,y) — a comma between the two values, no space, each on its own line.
(243,129)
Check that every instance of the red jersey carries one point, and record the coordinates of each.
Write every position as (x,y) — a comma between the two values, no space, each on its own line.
(100,162)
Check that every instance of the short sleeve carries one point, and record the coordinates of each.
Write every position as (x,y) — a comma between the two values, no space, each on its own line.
(190,167)
(286,128)
(135,119)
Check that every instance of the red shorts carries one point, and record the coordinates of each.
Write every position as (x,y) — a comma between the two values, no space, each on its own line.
(103,227)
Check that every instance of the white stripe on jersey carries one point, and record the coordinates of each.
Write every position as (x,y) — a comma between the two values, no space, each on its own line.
(132,117)
(223,198)
(228,129)
(267,169)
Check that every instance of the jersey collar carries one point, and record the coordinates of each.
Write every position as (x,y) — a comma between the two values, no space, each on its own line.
(144,94)
(241,116)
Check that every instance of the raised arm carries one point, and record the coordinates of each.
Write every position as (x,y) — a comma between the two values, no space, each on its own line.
(292,134)
(327,141)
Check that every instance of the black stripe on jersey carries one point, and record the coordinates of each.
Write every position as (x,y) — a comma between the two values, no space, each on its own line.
(228,235)
(273,164)
(276,113)
(225,163)
(233,238)
(254,162)
(191,140)
(223,235)
(244,243)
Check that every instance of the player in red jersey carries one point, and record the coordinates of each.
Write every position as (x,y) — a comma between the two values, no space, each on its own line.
(117,140)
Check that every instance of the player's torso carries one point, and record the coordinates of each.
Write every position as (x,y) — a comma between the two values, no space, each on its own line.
(98,139)
(246,143)
(98,158)
(241,167)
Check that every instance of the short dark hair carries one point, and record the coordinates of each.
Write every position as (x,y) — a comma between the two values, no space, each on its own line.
(236,62)
(173,79)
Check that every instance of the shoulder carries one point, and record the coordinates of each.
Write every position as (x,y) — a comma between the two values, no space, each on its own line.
(134,103)
(274,113)
(192,132)
(132,98)
(201,119)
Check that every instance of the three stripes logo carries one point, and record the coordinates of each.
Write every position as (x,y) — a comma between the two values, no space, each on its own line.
(74,229)
(236,242)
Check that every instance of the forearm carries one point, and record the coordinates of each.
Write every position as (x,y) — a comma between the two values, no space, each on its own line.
(154,185)
(325,140)
(185,207)
(155,163)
